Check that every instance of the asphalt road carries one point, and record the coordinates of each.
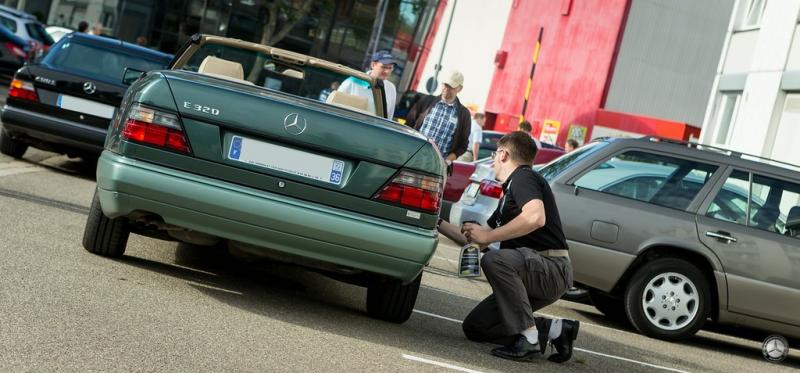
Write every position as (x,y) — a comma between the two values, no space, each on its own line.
(178,307)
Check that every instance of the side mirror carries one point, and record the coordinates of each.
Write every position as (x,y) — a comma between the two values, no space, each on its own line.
(130,75)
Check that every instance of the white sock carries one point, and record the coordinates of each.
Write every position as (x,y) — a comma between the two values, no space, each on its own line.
(555,329)
(532,335)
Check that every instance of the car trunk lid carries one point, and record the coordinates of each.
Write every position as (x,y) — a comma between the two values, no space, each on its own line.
(68,96)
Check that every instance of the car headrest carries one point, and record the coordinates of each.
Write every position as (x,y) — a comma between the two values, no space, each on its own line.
(794,214)
(766,217)
(293,73)
(349,101)
(222,68)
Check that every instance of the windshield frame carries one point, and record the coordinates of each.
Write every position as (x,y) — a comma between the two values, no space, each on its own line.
(558,166)
(197,41)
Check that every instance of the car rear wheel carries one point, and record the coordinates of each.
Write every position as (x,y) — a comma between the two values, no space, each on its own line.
(390,300)
(104,236)
(11,147)
(668,299)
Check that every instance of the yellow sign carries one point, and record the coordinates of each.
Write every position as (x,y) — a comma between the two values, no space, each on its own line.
(577,132)
(550,130)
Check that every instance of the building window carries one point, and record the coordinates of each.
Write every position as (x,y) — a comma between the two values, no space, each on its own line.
(752,13)
(725,117)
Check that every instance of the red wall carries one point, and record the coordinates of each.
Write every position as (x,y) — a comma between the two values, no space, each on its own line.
(646,125)
(576,56)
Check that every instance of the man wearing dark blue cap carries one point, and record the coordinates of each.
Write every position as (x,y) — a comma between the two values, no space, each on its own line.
(380,68)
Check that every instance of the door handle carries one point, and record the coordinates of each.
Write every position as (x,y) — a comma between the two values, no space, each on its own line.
(722,236)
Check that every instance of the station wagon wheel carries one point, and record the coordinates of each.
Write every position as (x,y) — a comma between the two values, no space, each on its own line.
(11,147)
(668,299)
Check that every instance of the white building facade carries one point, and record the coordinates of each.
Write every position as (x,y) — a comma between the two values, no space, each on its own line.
(755,102)
(476,33)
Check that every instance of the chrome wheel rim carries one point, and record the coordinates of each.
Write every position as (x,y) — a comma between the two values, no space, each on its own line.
(670,301)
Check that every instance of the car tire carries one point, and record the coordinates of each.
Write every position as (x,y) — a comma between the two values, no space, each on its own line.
(104,236)
(610,307)
(11,147)
(390,300)
(668,299)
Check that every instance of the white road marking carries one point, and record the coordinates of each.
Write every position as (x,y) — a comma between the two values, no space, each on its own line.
(629,360)
(437,316)
(440,364)
(575,348)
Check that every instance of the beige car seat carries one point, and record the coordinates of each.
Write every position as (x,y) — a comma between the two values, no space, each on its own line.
(349,101)
(224,69)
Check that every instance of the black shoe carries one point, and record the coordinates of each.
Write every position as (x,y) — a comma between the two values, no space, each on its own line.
(563,344)
(520,350)
(543,326)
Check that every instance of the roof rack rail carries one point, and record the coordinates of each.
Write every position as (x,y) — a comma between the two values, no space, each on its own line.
(733,153)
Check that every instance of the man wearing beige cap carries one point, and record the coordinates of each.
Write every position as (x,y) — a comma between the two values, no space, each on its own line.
(443,119)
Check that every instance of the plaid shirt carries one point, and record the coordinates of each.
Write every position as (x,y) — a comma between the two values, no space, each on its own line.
(440,126)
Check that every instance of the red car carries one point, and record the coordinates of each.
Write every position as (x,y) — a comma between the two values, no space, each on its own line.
(459,179)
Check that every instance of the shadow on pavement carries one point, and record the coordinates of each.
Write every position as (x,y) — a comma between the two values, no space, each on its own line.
(706,342)
(618,323)
(77,167)
(308,299)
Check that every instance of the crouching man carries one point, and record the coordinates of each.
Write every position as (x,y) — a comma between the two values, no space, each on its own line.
(530,270)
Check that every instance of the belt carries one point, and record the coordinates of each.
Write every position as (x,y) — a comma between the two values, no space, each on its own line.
(554,253)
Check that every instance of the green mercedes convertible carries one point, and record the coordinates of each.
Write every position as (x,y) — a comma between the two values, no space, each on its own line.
(243,144)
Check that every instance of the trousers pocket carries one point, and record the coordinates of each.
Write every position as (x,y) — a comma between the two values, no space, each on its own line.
(543,279)
(533,261)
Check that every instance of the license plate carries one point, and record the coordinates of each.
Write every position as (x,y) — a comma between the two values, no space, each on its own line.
(472,190)
(291,161)
(85,106)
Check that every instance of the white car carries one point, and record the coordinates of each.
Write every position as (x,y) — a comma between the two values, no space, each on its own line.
(58,32)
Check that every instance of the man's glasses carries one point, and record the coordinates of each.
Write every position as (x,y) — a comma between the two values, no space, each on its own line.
(494,153)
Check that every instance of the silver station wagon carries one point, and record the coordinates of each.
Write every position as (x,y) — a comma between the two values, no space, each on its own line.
(671,234)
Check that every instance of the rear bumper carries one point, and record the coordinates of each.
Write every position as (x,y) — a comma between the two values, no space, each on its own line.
(53,130)
(262,219)
(459,213)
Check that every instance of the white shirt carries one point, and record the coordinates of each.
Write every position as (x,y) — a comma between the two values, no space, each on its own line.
(475,134)
(356,87)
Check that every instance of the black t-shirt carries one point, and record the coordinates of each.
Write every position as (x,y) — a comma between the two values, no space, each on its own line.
(522,186)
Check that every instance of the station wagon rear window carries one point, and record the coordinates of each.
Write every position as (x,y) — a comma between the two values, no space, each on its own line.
(37,32)
(654,178)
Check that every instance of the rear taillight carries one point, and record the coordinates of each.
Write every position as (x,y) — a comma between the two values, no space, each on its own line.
(414,191)
(491,188)
(22,90)
(16,50)
(148,126)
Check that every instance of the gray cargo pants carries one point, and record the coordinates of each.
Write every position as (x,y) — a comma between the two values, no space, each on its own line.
(522,282)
